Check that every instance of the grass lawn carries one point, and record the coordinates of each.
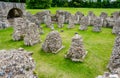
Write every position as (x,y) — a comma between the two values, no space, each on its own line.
(85,11)
(98,45)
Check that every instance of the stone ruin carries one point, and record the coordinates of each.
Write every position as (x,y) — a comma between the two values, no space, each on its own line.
(103,17)
(16,63)
(115,15)
(32,34)
(67,14)
(97,24)
(116,27)
(9,11)
(52,43)
(91,18)
(64,13)
(110,22)
(31,17)
(71,23)
(84,23)
(34,19)
(60,18)
(76,52)
(47,19)
(19,29)
(26,30)
(114,64)
(41,16)
(3,24)
(78,16)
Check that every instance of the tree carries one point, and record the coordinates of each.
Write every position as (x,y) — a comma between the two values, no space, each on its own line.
(39,4)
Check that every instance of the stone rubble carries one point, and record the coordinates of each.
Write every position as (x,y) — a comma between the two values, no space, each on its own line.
(16,63)
(32,34)
(104,17)
(52,43)
(78,16)
(71,23)
(116,27)
(3,25)
(115,15)
(19,29)
(84,23)
(67,14)
(47,19)
(34,19)
(114,64)
(110,22)
(41,16)
(97,24)
(91,18)
(61,19)
(76,52)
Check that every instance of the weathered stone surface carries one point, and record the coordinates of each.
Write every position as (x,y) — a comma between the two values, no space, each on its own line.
(110,22)
(19,29)
(115,15)
(71,23)
(34,19)
(47,18)
(67,14)
(6,7)
(41,15)
(97,24)
(78,16)
(103,17)
(84,23)
(116,27)
(32,35)
(64,13)
(53,42)
(91,18)
(114,64)
(3,25)
(108,75)
(16,63)
(61,19)
(31,17)
(77,51)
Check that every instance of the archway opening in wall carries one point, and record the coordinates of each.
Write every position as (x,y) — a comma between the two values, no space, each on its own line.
(14,13)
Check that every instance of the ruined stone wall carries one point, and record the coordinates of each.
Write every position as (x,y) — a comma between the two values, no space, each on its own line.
(5,7)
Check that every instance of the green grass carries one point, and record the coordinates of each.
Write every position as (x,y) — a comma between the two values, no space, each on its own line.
(98,45)
(97,11)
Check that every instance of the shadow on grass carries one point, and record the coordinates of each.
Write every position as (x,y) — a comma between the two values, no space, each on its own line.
(13,42)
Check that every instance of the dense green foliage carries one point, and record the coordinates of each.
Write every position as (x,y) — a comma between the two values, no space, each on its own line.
(39,4)
(87,3)
(43,4)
